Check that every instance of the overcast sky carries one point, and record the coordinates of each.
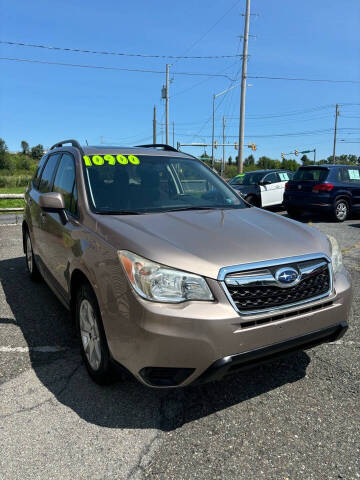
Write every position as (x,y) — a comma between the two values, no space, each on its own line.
(44,103)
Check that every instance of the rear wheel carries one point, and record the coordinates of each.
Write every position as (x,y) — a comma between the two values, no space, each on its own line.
(93,342)
(341,210)
(30,259)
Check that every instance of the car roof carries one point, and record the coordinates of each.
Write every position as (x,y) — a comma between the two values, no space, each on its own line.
(116,149)
(107,149)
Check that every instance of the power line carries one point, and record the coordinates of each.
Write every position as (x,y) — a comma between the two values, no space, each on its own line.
(328,131)
(303,79)
(120,54)
(123,69)
(209,30)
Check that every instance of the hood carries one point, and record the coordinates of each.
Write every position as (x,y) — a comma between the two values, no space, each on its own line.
(204,241)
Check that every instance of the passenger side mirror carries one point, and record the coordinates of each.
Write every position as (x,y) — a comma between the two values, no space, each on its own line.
(53,202)
(264,182)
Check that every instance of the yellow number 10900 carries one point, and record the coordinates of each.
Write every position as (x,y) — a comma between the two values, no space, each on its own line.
(110,160)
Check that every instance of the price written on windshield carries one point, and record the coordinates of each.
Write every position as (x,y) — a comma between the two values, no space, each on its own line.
(99,160)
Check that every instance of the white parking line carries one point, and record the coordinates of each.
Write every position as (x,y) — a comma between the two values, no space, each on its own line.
(44,349)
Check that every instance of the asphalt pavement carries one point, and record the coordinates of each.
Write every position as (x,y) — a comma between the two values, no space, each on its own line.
(296,418)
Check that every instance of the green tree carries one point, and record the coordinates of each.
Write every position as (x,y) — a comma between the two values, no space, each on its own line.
(25,147)
(37,152)
(230,160)
(249,161)
(288,164)
(3,154)
(305,160)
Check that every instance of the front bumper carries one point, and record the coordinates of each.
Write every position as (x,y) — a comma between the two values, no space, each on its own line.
(176,345)
(236,363)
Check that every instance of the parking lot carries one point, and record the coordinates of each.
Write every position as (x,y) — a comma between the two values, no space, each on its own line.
(296,418)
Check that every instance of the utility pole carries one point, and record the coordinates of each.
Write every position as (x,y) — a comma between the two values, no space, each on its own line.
(213,131)
(243,87)
(223,155)
(154,126)
(335,130)
(173,125)
(167,104)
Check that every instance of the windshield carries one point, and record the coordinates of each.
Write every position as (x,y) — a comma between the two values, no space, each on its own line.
(250,178)
(129,184)
(311,174)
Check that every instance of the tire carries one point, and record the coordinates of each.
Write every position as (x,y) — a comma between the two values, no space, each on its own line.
(253,200)
(294,213)
(93,344)
(341,210)
(31,266)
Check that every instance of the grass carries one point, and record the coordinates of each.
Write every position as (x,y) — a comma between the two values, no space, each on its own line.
(12,189)
(12,203)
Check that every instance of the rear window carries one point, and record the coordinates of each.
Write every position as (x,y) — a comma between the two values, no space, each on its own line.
(311,174)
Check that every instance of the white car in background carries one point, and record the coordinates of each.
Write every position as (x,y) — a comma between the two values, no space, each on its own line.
(263,188)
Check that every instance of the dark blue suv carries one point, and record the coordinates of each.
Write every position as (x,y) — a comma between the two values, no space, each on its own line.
(332,189)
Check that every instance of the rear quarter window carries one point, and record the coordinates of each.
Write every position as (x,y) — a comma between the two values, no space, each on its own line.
(311,174)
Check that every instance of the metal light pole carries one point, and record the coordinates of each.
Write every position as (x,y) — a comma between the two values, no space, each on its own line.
(335,130)
(213,119)
(223,156)
(154,126)
(243,87)
(167,104)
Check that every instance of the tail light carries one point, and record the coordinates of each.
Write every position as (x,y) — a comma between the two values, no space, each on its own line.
(323,187)
(287,186)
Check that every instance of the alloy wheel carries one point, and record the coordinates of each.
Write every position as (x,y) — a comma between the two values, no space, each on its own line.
(90,335)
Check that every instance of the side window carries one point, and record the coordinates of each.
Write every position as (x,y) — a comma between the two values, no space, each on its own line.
(48,172)
(353,174)
(65,182)
(284,176)
(37,174)
(271,177)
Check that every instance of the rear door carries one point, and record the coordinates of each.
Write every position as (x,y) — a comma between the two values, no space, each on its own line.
(272,194)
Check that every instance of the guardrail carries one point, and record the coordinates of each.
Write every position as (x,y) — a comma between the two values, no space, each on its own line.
(9,196)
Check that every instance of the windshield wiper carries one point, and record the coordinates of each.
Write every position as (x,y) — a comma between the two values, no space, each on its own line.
(118,212)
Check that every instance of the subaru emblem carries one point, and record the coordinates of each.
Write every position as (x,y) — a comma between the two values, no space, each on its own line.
(287,276)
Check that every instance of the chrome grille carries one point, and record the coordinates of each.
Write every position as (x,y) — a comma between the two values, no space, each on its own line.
(256,290)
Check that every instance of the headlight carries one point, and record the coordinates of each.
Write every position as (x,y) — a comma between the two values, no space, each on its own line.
(162,284)
(336,255)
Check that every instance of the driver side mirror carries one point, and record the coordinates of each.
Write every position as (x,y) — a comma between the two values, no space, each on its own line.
(53,202)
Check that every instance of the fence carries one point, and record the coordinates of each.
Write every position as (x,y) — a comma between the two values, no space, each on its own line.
(10,196)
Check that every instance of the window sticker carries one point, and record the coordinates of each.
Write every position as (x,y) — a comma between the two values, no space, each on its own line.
(99,160)
(283,176)
(354,174)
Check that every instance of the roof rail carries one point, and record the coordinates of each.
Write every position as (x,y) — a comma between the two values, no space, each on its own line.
(74,143)
(169,148)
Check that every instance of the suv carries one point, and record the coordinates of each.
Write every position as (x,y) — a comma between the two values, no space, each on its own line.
(332,189)
(169,273)
(262,188)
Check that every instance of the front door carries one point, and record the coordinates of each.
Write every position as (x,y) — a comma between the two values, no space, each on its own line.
(61,241)
(272,193)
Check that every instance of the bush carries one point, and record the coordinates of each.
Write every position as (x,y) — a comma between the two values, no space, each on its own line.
(12,181)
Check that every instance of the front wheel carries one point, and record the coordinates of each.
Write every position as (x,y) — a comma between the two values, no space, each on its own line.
(341,210)
(30,259)
(93,344)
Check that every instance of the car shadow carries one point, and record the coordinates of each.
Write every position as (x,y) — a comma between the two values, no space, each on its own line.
(125,404)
